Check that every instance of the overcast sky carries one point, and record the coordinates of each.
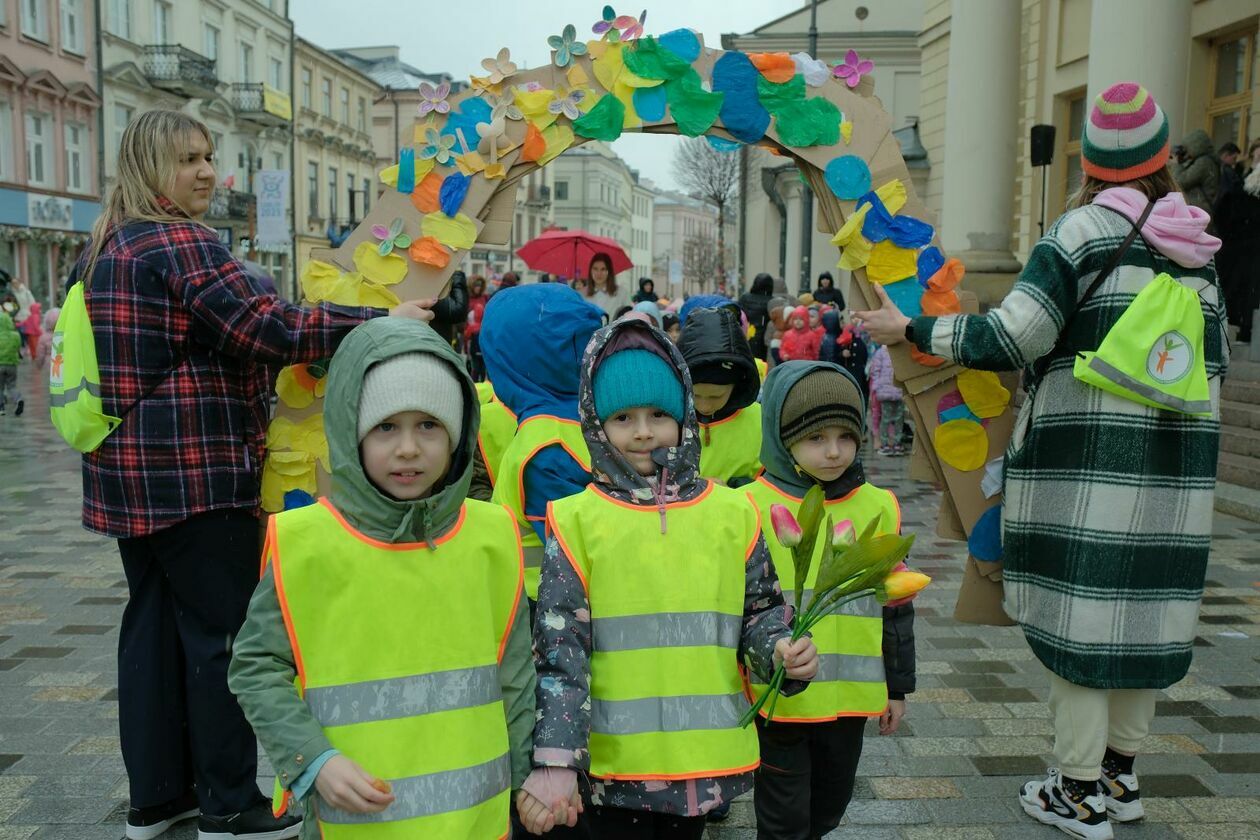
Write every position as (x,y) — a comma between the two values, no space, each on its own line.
(471,30)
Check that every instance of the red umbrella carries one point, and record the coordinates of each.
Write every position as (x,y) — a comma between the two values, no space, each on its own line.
(569,252)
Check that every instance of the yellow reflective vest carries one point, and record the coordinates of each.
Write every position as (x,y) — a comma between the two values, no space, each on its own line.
(498,426)
(412,695)
(533,436)
(731,448)
(666,619)
(850,679)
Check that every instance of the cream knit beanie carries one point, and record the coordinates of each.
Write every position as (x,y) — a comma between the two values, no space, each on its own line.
(412,382)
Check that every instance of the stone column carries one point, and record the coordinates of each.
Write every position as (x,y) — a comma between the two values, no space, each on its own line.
(790,190)
(981,142)
(1143,41)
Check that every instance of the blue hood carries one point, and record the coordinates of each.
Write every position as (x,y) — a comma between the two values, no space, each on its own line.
(709,301)
(532,338)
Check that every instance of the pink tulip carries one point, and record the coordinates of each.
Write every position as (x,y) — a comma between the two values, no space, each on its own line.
(785,526)
(843,535)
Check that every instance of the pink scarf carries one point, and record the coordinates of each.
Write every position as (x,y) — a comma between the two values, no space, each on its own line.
(1178,230)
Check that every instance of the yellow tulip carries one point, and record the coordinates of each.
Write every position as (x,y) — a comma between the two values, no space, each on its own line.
(901,586)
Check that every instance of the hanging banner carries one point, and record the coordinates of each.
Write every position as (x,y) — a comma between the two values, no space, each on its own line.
(271,188)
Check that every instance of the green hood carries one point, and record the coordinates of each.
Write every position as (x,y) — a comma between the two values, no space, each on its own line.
(365,507)
(780,465)
(10,341)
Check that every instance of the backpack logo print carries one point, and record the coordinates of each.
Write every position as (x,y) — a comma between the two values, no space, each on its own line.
(1170,358)
(54,374)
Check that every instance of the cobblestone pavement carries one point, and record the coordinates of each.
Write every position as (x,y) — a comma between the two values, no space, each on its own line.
(977,727)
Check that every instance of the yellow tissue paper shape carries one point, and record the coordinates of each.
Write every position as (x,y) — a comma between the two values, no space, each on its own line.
(285,471)
(389,176)
(533,106)
(456,233)
(386,270)
(470,163)
(890,262)
(983,392)
(291,390)
(306,435)
(855,248)
(371,294)
(962,444)
(893,194)
(846,131)
(558,138)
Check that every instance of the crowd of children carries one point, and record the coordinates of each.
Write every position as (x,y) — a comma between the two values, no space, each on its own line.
(576,656)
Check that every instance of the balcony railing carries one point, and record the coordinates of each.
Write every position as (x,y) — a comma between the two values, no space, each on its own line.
(230,204)
(171,66)
(261,103)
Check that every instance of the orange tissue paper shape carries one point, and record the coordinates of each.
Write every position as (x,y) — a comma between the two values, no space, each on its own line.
(925,359)
(534,146)
(429,251)
(947,276)
(425,195)
(776,67)
(940,303)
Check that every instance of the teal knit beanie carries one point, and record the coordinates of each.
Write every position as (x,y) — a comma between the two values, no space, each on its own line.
(636,378)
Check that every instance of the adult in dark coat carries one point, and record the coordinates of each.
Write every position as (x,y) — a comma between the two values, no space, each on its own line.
(826,291)
(1237,222)
(755,303)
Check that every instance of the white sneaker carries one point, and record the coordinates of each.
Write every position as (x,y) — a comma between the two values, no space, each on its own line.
(1047,802)
(1124,802)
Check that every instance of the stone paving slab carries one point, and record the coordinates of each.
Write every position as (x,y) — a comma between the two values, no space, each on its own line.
(976,730)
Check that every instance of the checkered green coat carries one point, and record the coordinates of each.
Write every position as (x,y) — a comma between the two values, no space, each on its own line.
(1107,513)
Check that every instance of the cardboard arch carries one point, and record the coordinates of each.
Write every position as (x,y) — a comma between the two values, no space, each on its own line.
(296,461)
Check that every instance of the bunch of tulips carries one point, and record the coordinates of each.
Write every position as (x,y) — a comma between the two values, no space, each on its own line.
(851,567)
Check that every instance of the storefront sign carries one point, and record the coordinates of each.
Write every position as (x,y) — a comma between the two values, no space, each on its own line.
(50,211)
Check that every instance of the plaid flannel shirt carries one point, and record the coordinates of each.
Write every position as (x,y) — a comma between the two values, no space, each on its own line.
(172,310)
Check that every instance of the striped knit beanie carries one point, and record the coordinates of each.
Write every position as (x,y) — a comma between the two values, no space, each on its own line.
(821,398)
(1126,136)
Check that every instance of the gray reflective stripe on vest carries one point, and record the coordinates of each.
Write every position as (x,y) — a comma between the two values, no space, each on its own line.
(69,395)
(533,556)
(1151,393)
(849,667)
(656,630)
(866,607)
(434,793)
(667,714)
(401,697)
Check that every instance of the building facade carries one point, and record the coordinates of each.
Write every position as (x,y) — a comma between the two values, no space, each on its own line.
(597,192)
(1010,66)
(49,110)
(334,160)
(228,63)
(771,210)
(685,245)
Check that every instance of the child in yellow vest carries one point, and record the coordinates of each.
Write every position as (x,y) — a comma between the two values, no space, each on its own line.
(385,661)
(725,382)
(812,419)
(655,584)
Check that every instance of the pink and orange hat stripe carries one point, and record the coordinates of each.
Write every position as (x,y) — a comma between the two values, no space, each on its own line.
(1126,136)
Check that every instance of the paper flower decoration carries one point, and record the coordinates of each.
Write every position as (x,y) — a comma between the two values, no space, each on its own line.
(853,68)
(500,67)
(566,45)
(433,99)
(391,237)
(604,26)
(567,104)
(494,139)
(438,146)
(504,107)
(630,28)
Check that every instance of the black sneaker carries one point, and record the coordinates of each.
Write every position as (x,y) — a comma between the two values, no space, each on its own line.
(256,823)
(147,823)
(1046,801)
(21,407)
(1124,800)
(720,813)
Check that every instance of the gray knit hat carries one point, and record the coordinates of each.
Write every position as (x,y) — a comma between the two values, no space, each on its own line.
(412,382)
(821,398)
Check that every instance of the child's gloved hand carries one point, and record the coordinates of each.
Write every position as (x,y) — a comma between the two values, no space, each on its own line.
(555,799)
(800,658)
(345,785)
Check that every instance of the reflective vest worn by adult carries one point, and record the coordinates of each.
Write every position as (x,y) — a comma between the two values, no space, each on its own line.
(498,426)
(731,448)
(411,695)
(532,436)
(667,612)
(850,679)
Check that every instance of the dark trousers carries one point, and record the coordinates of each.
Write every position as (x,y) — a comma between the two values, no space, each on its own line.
(805,780)
(625,824)
(190,586)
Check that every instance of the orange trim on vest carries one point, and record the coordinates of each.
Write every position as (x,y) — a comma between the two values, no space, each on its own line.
(289,629)
(753,545)
(269,543)
(375,543)
(520,582)
(667,777)
(656,508)
(520,478)
(481,447)
(568,555)
(720,422)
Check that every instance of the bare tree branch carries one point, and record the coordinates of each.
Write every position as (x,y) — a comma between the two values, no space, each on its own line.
(712,176)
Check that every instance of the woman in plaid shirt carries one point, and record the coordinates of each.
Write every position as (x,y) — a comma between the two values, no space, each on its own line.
(178,322)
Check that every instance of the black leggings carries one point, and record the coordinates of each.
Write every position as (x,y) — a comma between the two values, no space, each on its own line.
(806,777)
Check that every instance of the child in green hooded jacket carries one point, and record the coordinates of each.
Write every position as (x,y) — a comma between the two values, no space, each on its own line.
(10,345)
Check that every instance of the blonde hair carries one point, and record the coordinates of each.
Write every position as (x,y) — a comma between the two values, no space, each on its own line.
(149,155)
(1154,186)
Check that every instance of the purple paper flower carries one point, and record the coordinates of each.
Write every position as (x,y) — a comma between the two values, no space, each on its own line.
(433,99)
(853,69)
